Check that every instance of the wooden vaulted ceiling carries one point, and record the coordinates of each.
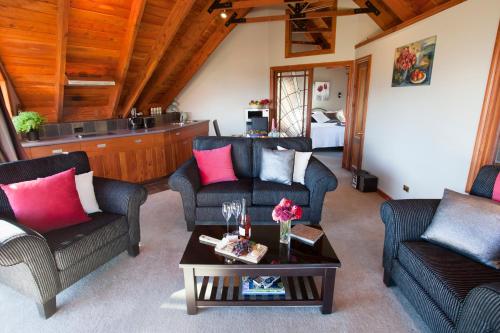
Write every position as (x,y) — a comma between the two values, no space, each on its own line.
(150,48)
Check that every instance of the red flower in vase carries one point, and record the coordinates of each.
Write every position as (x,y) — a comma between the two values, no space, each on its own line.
(286,210)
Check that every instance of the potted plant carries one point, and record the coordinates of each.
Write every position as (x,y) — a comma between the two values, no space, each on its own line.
(28,123)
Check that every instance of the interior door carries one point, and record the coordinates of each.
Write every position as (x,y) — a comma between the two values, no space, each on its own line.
(361,85)
(293,102)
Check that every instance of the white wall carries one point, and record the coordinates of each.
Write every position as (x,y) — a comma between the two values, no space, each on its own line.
(424,136)
(338,83)
(238,71)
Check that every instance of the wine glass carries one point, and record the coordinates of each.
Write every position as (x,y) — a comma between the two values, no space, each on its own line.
(227,211)
(236,208)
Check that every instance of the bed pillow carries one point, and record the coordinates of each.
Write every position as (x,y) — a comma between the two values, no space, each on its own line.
(300,165)
(320,117)
(468,225)
(215,165)
(85,189)
(46,204)
(277,166)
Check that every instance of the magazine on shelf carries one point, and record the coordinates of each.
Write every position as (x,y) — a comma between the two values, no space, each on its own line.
(250,288)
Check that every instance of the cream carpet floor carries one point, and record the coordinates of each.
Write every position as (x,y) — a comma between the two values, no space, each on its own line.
(145,294)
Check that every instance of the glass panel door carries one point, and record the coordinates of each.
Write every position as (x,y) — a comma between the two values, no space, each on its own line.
(292,96)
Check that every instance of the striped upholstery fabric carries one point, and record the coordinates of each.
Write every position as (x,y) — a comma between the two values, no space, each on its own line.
(448,290)
(485,181)
(21,246)
(70,245)
(481,310)
(40,266)
(404,220)
(445,275)
(430,312)
(90,263)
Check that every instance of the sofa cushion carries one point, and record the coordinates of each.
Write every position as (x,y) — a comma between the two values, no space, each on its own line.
(18,171)
(297,144)
(468,225)
(215,165)
(445,275)
(72,244)
(214,195)
(270,193)
(485,181)
(241,152)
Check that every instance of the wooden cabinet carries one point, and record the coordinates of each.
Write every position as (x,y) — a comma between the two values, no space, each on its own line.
(136,158)
(182,142)
(42,151)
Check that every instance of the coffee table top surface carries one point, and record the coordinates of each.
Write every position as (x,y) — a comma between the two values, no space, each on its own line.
(321,254)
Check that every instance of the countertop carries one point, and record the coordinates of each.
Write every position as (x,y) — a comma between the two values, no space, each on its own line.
(116,134)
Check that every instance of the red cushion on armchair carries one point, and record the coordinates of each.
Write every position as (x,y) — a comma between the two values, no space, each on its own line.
(215,165)
(46,204)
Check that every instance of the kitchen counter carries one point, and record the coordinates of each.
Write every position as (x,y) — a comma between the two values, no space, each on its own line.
(161,128)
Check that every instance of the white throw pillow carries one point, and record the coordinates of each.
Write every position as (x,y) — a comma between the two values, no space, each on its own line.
(300,165)
(85,189)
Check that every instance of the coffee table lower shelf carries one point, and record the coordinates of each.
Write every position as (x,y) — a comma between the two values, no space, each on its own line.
(222,291)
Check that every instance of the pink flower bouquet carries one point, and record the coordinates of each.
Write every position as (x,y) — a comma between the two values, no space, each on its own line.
(284,213)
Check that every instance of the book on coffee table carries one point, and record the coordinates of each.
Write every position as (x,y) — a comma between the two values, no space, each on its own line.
(249,287)
(306,234)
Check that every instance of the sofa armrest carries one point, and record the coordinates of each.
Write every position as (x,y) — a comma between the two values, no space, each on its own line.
(318,180)
(481,311)
(404,220)
(22,247)
(119,197)
(186,180)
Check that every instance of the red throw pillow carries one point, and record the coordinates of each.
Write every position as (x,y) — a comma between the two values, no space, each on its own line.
(496,189)
(46,204)
(215,165)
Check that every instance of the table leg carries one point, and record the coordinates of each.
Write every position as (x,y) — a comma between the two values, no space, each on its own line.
(327,291)
(191,292)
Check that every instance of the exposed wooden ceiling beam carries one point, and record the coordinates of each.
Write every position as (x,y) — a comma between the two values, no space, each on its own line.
(401,8)
(204,21)
(8,91)
(169,29)
(244,4)
(134,21)
(198,60)
(61,44)
(411,21)
(387,19)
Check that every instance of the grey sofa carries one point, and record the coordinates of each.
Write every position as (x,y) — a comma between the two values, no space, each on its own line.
(451,292)
(202,204)
(40,266)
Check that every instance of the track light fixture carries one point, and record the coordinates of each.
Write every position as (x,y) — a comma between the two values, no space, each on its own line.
(223,14)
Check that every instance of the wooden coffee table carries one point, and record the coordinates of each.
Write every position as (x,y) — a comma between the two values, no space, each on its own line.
(210,282)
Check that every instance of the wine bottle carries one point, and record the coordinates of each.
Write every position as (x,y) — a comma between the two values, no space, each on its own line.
(245,229)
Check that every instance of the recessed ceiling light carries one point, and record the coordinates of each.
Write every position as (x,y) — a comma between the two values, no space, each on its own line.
(223,14)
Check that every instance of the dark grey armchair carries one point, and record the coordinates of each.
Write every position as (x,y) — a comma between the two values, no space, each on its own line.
(202,204)
(452,293)
(40,266)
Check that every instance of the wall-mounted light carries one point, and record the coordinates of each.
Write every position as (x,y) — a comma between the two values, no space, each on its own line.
(223,14)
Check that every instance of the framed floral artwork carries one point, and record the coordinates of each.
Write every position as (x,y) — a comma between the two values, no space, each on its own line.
(321,91)
(413,63)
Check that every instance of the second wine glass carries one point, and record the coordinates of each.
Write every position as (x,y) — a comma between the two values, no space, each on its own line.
(227,211)
(236,209)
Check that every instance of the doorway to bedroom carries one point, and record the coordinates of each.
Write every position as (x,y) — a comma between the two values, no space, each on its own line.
(313,100)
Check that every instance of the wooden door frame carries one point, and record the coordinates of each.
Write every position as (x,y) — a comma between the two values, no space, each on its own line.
(488,129)
(347,158)
(349,65)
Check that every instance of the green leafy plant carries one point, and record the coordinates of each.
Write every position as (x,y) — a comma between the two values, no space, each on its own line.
(27,121)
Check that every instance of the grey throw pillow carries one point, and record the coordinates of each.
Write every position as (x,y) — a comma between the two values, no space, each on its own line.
(468,225)
(277,166)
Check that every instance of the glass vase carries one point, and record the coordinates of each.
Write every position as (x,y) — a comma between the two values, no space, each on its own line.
(285,231)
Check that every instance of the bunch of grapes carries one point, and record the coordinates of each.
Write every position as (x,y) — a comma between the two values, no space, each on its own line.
(241,247)
(406,59)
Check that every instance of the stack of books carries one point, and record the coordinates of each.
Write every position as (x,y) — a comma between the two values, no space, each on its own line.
(262,285)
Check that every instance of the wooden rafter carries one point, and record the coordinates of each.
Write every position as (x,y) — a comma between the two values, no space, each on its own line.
(126,52)
(387,19)
(61,44)
(401,8)
(198,60)
(169,29)
(10,96)
(246,4)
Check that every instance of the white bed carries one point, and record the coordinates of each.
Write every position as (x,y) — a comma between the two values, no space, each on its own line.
(326,135)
